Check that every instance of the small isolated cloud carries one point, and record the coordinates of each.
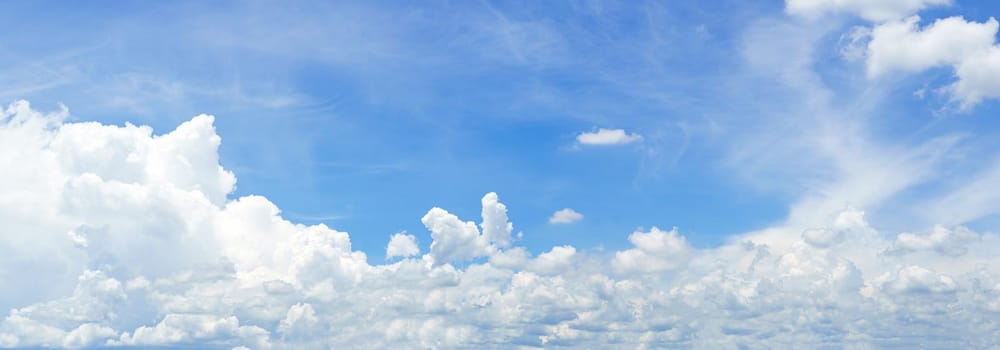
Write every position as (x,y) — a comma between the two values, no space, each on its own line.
(565,216)
(402,245)
(606,137)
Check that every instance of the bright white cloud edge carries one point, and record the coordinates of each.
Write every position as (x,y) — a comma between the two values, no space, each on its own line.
(144,231)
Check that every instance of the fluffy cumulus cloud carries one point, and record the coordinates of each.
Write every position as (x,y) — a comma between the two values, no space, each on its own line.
(496,227)
(655,251)
(565,216)
(607,137)
(896,42)
(903,46)
(116,236)
(968,48)
(402,245)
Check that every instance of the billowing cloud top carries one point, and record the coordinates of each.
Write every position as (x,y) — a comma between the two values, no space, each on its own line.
(115,236)
(895,42)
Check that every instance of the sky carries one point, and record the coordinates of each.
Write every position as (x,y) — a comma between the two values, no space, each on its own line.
(485,174)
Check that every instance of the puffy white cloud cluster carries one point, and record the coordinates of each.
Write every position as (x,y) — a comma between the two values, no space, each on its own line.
(966,47)
(115,236)
(896,42)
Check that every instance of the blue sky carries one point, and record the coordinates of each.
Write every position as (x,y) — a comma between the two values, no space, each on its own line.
(362,116)
(340,118)
(752,121)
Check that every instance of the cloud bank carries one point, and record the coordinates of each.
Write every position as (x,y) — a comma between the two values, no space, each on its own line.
(116,236)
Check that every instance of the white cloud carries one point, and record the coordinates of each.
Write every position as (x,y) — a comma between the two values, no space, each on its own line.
(565,216)
(496,227)
(194,328)
(916,279)
(847,221)
(872,10)
(300,323)
(978,76)
(897,43)
(87,335)
(946,241)
(605,137)
(554,261)
(655,251)
(402,245)
(902,45)
(158,257)
(454,240)
(968,48)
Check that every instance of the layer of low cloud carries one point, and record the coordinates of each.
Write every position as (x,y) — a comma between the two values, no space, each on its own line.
(125,238)
(565,216)
(607,137)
